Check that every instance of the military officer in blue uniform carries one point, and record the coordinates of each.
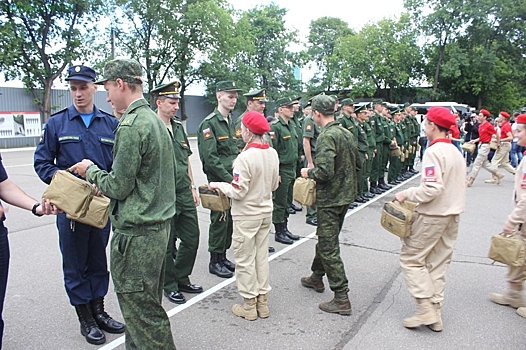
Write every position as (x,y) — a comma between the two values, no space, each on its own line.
(77,132)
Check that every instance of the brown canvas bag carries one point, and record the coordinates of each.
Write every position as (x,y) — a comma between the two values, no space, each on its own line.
(214,200)
(69,193)
(397,217)
(304,191)
(98,212)
(509,249)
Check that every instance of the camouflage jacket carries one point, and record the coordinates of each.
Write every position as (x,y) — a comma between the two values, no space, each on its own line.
(336,164)
(141,184)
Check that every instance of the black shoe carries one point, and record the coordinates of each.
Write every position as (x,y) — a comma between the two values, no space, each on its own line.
(376,190)
(289,234)
(360,199)
(217,268)
(103,320)
(414,171)
(353,205)
(312,221)
(190,288)
(175,297)
(227,263)
(291,211)
(368,195)
(271,249)
(282,238)
(384,187)
(88,326)
(295,207)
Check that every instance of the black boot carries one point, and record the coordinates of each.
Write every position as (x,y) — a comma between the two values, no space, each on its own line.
(88,326)
(217,268)
(280,236)
(227,263)
(104,321)
(288,233)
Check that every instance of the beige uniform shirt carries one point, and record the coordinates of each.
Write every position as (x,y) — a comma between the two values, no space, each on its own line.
(442,190)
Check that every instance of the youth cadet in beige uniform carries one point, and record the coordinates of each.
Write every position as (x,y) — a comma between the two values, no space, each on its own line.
(516,275)
(256,176)
(441,197)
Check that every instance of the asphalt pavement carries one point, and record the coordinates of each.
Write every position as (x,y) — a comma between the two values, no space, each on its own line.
(38,315)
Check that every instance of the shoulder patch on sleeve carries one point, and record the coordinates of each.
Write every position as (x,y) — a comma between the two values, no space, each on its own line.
(429,174)
(128,120)
(207,133)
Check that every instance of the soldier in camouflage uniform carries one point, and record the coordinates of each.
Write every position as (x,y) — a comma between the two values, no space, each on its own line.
(184,225)
(335,174)
(141,186)
(284,139)
(413,137)
(256,101)
(216,141)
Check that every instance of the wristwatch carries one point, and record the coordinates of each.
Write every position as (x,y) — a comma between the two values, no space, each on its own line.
(193,187)
(34,209)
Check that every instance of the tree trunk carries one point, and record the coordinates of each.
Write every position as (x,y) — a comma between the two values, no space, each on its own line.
(44,105)
(439,64)
(182,104)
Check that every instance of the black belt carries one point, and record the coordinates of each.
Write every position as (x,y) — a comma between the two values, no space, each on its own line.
(484,142)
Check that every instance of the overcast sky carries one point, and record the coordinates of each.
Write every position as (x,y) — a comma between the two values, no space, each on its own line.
(356,13)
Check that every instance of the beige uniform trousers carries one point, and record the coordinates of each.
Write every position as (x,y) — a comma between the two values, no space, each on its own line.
(482,161)
(517,274)
(426,255)
(250,243)
(502,157)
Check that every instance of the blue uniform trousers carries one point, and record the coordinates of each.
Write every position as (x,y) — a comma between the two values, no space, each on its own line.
(84,262)
(4,268)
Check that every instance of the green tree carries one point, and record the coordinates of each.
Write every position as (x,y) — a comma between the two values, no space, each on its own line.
(172,39)
(262,56)
(442,25)
(39,38)
(324,35)
(382,56)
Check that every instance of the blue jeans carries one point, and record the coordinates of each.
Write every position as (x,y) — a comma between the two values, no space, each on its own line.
(515,154)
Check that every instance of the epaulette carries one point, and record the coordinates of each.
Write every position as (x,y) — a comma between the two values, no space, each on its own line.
(177,121)
(106,113)
(275,121)
(128,120)
(61,111)
(208,117)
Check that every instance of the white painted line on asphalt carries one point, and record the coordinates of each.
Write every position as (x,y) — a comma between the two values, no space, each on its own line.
(225,283)
(17,166)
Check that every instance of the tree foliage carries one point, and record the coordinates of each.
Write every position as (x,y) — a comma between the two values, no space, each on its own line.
(39,38)
(262,56)
(324,35)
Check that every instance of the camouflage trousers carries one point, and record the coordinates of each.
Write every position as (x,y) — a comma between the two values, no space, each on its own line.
(137,269)
(327,259)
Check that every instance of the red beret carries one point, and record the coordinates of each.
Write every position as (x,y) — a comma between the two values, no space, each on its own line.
(441,116)
(256,122)
(485,112)
(505,114)
(521,119)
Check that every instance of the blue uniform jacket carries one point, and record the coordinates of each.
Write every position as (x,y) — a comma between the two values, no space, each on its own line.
(67,140)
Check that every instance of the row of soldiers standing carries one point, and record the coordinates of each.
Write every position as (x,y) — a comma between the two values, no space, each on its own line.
(386,140)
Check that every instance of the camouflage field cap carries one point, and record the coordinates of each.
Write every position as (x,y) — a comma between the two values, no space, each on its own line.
(285,101)
(170,90)
(347,102)
(129,71)
(227,85)
(323,104)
